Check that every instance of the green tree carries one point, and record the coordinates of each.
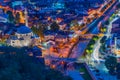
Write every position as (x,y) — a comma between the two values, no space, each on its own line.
(10,16)
(95,38)
(107,22)
(20,66)
(17,18)
(51,73)
(118,71)
(118,6)
(38,31)
(54,26)
(111,63)
(92,42)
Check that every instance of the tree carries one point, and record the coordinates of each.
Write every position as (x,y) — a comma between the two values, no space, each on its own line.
(89,50)
(20,66)
(118,71)
(103,29)
(118,6)
(51,73)
(92,42)
(54,26)
(17,18)
(95,38)
(39,31)
(10,16)
(111,63)
(75,25)
(103,39)
(107,22)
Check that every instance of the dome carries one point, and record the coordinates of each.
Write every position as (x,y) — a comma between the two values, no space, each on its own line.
(23,30)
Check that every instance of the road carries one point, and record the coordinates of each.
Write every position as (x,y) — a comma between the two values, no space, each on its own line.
(92,28)
(108,34)
(79,49)
(95,55)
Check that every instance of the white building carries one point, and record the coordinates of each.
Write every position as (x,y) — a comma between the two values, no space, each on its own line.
(22,37)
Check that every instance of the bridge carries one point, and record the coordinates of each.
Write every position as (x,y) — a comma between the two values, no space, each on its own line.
(66,59)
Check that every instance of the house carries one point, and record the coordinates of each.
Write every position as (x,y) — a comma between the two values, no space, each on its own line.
(61,36)
(62,25)
(35,51)
(116,36)
(49,35)
(5,29)
(116,27)
(4,18)
(118,70)
(116,23)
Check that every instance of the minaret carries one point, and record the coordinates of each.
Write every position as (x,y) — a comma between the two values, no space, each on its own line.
(26,17)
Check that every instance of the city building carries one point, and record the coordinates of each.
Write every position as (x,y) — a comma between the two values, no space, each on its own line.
(116,26)
(3,16)
(49,35)
(116,36)
(62,25)
(22,37)
(61,38)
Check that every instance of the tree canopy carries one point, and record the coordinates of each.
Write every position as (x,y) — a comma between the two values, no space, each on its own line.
(39,31)
(118,6)
(20,66)
(10,17)
(111,63)
(54,26)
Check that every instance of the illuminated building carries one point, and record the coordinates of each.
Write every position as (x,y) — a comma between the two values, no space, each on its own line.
(58,5)
(22,37)
(49,35)
(3,17)
(116,35)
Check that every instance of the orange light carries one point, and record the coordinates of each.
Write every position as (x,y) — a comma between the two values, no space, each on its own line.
(62,62)
(49,18)
(53,66)
(22,18)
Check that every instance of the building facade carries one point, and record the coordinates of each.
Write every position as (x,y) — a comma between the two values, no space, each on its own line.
(22,37)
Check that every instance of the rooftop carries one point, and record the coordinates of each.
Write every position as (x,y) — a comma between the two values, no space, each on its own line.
(117,21)
(23,30)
